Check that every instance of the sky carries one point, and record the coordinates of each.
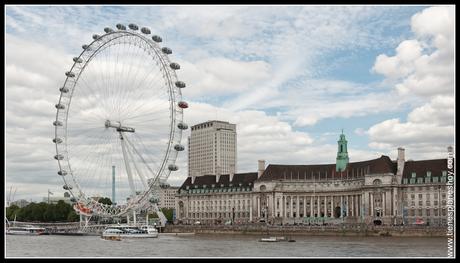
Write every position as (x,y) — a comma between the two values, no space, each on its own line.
(290,77)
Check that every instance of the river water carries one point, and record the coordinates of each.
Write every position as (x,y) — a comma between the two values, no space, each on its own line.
(208,245)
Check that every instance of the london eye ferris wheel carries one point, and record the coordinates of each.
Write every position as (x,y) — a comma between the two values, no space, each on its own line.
(120,107)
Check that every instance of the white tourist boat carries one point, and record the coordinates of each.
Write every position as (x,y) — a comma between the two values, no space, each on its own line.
(126,231)
(26,230)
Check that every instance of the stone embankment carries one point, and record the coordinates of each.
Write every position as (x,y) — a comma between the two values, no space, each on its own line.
(348,230)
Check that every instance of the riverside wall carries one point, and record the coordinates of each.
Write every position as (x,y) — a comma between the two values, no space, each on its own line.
(356,230)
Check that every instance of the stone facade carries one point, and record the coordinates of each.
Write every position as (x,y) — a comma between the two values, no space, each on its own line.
(212,148)
(378,191)
(167,196)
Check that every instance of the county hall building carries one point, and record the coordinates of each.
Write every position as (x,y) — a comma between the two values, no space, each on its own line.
(377,191)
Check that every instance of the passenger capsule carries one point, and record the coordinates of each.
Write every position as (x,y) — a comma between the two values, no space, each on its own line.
(62,172)
(77,60)
(145,30)
(70,74)
(58,157)
(173,167)
(108,30)
(157,38)
(96,36)
(174,66)
(166,50)
(66,187)
(84,47)
(180,84)
(73,200)
(183,104)
(133,27)
(182,126)
(64,90)
(57,123)
(59,106)
(179,147)
(120,27)
(57,140)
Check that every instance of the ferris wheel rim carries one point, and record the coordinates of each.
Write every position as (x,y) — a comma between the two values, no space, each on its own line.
(176,116)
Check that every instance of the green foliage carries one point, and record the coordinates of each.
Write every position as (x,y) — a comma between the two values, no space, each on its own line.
(105,200)
(43,212)
(168,212)
(11,211)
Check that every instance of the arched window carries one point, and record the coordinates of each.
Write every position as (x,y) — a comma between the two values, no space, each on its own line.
(377,182)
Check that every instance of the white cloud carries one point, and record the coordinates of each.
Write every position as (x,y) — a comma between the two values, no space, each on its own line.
(222,76)
(425,67)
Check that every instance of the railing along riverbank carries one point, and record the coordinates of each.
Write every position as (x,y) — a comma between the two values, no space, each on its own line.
(326,230)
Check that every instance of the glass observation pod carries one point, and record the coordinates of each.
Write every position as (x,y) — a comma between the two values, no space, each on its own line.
(180,84)
(86,47)
(66,187)
(57,140)
(133,27)
(73,200)
(173,167)
(59,157)
(70,74)
(179,147)
(182,126)
(174,66)
(77,60)
(183,104)
(60,106)
(57,123)
(64,90)
(157,38)
(166,50)
(108,30)
(62,172)
(145,30)
(96,36)
(120,27)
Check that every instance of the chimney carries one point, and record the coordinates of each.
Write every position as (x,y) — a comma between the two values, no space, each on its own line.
(232,173)
(193,179)
(261,169)
(401,160)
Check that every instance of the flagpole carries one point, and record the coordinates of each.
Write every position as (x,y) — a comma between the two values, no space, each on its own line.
(48,196)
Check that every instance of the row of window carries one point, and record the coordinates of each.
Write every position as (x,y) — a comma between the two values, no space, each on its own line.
(427,212)
(427,203)
(427,196)
(215,190)
(425,180)
(218,215)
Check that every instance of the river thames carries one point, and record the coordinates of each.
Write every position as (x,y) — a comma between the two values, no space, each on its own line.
(208,245)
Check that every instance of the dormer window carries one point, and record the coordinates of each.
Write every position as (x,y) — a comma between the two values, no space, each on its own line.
(428,173)
(444,173)
(213,185)
(187,187)
(413,174)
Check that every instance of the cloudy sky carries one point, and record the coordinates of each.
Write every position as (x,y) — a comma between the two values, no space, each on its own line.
(290,77)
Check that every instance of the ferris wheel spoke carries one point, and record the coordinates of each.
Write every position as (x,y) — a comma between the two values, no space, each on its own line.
(124,88)
(151,89)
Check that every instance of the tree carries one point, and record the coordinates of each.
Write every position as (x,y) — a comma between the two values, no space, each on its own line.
(168,212)
(11,211)
(105,200)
